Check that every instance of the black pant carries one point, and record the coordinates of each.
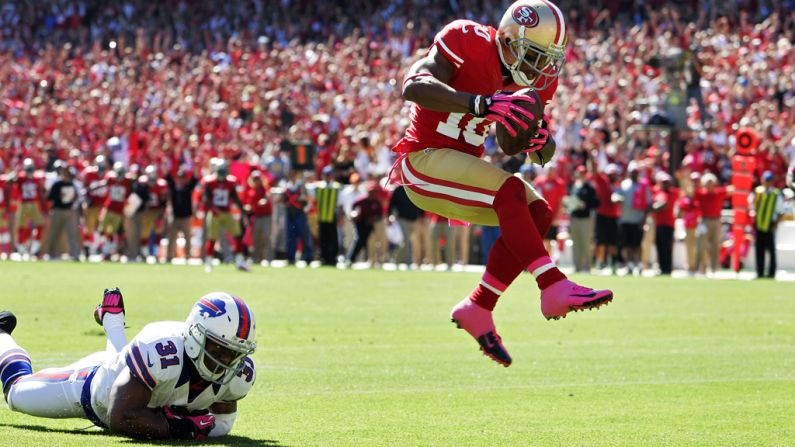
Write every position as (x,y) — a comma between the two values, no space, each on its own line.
(329,245)
(765,241)
(664,240)
(363,231)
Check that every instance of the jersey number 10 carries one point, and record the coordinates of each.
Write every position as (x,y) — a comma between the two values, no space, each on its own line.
(453,128)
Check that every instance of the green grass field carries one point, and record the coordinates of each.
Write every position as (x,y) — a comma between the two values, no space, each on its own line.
(368,358)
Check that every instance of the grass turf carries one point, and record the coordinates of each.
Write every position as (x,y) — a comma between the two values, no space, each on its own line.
(368,358)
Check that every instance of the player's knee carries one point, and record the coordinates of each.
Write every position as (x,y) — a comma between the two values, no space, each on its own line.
(511,193)
(542,215)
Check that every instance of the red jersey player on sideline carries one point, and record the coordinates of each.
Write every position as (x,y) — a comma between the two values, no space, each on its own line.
(119,189)
(456,89)
(96,194)
(220,190)
(28,190)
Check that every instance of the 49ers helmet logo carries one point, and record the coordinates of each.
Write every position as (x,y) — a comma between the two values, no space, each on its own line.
(525,16)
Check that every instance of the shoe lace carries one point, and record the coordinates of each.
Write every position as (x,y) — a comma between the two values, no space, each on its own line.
(582,289)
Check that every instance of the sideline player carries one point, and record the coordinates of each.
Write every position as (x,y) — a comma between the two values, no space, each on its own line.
(220,190)
(457,92)
(174,380)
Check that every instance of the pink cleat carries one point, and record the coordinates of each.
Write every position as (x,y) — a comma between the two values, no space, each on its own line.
(112,303)
(564,296)
(478,323)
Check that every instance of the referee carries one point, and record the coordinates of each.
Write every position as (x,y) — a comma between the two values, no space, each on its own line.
(327,204)
(768,204)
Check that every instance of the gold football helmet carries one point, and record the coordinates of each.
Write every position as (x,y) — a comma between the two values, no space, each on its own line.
(531,40)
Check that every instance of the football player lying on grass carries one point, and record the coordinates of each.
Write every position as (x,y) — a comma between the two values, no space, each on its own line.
(174,380)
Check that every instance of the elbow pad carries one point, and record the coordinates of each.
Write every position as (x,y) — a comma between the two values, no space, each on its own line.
(223,424)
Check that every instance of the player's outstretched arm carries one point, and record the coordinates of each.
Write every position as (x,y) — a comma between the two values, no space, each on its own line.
(128,412)
(225,414)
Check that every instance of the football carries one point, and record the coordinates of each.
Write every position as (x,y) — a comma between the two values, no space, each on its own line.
(513,145)
(544,155)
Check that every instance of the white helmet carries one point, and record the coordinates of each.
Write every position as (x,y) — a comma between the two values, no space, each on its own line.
(533,33)
(227,321)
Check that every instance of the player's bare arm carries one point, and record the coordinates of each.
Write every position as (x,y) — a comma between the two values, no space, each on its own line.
(128,411)
(426,85)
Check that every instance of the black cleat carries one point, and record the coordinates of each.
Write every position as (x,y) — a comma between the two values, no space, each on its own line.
(491,345)
(8,321)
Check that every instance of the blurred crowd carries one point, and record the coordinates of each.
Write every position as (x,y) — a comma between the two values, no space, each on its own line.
(299,95)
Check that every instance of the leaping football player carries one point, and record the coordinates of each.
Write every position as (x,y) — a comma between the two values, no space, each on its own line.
(458,89)
(174,380)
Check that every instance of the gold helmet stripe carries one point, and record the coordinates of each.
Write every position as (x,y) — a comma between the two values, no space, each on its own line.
(560,36)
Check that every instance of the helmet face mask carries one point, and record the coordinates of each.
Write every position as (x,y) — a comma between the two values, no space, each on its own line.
(219,334)
(531,42)
(533,66)
(212,367)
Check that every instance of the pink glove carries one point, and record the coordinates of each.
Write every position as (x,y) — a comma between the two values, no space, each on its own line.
(187,426)
(542,137)
(501,107)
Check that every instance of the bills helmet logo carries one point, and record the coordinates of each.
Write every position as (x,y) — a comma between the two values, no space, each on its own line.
(211,307)
(525,16)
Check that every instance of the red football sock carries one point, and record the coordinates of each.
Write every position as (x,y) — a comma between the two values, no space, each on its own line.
(39,233)
(209,248)
(239,245)
(502,268)
(521,235)
(542,216)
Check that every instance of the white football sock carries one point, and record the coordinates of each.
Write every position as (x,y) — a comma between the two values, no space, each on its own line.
(114,330)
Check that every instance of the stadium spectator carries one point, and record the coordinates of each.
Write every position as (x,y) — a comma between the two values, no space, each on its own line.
(767,205)
(180,193)
(581,203)
(63,196)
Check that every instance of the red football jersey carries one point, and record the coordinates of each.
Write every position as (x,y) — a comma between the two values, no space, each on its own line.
(29,189)
(118,191)
(472,50)
(257,198)
(158,195)
(553,190)
(220,191)
(96,194)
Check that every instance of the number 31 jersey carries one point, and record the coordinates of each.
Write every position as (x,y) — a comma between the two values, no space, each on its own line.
(156,357)
(471,48)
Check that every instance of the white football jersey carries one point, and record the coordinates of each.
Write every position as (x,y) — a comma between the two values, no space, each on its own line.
(156,356)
